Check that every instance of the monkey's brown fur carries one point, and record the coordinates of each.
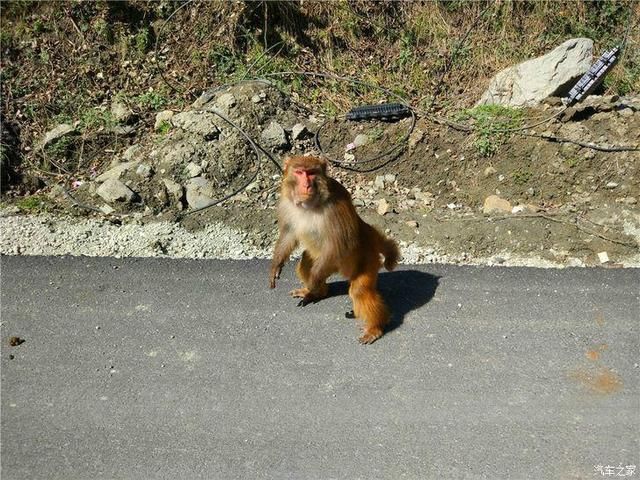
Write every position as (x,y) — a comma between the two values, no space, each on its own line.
(316,212)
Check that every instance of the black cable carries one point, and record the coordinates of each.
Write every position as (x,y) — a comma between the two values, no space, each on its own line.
(347,165)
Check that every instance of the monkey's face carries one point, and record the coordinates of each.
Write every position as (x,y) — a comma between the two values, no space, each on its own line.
(306,181)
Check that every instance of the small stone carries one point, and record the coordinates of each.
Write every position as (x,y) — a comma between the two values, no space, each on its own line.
(389,178)
(226,101)
(412,223)
(611,185)
(379,182)
(360,140)
(107,209)
(383,206)
(15,341)
(416,137)
(626,112)
(120,112)
(298,131)
(131,152)
(116,172)
(256,99)
(518,209)
(274,136)
(144,170)
(58,132)
(199,192)
(603,257)
(489,171)
(114,190)
(193,170)
(161,118)
(493,203)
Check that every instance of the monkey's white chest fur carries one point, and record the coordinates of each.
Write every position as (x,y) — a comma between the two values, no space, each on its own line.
(309,226)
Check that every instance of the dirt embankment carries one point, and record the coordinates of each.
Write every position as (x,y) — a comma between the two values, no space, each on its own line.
(532,201)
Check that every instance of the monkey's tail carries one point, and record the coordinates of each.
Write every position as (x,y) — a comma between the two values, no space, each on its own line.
(391,253)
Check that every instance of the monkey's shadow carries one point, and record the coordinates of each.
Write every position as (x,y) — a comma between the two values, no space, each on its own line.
(403,291)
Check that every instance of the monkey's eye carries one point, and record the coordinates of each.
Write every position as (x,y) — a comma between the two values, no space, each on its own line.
(310,174)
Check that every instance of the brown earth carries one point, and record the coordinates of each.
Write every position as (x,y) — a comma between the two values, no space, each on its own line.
(572,202)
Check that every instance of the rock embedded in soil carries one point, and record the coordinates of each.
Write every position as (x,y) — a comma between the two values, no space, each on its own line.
(161,118)
(495,204)
(120,112)
(199,192)
(58,132)
(112,191)
(116,172)
(298,131)
(274,136)
(530,82)
(383,206)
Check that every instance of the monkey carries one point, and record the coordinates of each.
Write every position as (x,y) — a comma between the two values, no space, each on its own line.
(316,212)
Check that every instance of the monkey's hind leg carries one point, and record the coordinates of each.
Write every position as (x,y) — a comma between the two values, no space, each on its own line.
(369,306)
(309,293)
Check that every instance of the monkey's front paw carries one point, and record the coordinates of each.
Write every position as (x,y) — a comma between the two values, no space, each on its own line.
(305,295)
(299,293)
(370,336)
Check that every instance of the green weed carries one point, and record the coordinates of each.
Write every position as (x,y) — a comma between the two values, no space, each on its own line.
(164,128)
(521,177)
(33,204)
(492,124)
(151,100)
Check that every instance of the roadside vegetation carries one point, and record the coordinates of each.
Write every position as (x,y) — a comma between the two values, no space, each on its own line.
(67,62)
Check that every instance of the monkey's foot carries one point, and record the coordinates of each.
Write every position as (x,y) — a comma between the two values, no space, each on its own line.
(299,292)
(305,295)
(370,335)
(350,314)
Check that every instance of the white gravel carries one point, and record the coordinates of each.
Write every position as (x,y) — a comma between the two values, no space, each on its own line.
(49,235)
(58,235)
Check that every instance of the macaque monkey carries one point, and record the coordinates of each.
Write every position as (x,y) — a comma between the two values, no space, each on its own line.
(316,212)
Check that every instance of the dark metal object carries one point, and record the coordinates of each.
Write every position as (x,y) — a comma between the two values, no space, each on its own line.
(386,111)
(594,77)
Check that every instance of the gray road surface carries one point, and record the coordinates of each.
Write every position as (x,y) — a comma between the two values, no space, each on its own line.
(147,368)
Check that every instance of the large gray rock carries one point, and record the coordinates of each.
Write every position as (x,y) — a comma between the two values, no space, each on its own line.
(114,190)
(530,82)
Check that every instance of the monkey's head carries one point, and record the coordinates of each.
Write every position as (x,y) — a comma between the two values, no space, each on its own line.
(305,181)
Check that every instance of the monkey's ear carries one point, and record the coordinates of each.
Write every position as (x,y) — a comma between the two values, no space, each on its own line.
(323,164)
(285,165)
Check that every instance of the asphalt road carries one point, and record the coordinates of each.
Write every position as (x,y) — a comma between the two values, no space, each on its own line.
(147,368)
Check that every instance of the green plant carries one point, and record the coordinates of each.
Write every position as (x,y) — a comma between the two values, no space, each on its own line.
(32,204)
(152,100)
(95,118)
(521,177)
(492,125)
(164,128)
(142,40)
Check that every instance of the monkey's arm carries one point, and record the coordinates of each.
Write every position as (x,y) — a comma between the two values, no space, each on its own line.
(286,244)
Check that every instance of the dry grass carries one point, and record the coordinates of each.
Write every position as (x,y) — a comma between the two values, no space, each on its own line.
(62,59)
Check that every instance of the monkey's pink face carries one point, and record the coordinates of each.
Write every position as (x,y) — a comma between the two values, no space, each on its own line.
(305,182)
